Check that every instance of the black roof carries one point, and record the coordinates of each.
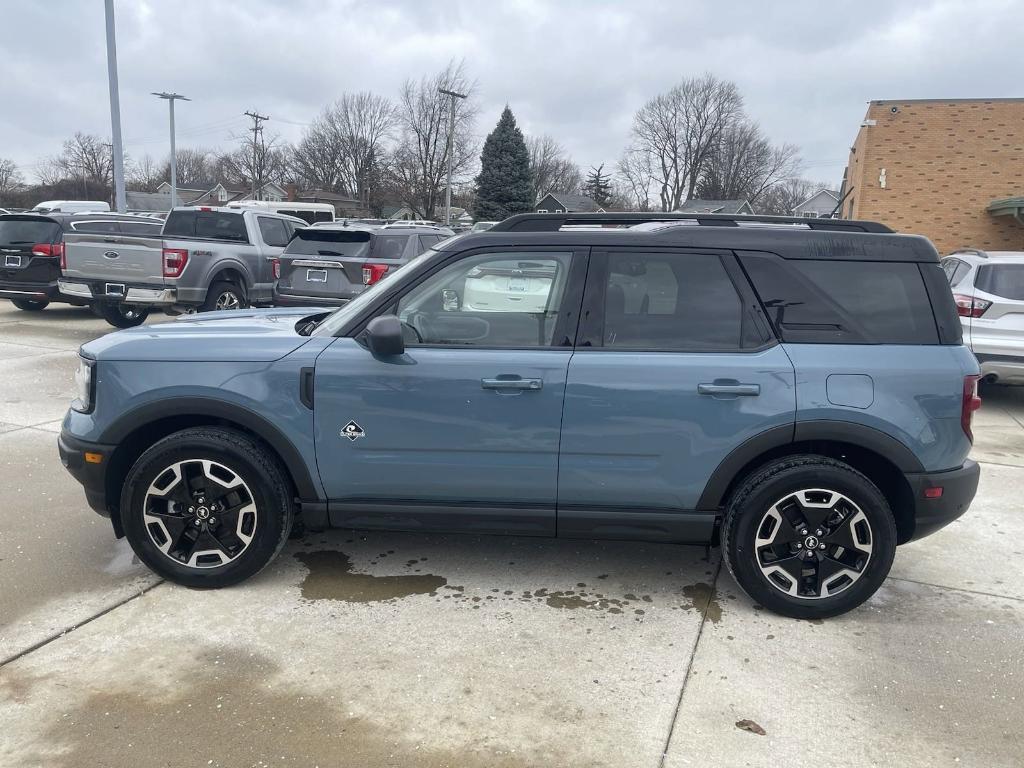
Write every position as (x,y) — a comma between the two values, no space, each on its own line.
(789,237)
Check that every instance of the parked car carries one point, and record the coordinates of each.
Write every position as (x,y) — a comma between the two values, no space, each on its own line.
(71,206)
(798,392)
(32,250)
(328,265)
(988,288)
(203,259)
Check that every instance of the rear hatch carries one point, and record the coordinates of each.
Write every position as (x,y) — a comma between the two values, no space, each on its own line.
(999,328)
(329,263)
(29,248)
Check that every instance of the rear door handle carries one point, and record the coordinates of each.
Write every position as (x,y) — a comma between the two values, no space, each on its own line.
(748,390)
(512,382)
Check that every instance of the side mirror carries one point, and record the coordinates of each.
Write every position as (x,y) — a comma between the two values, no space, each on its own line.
(450,300)
(384,336)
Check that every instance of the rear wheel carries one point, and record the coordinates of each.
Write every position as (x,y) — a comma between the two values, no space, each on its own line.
(207,507)
(122,315)
(29,305)
(224,294)
(809,537)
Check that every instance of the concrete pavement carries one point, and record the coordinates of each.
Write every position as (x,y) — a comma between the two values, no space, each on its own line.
(384,649)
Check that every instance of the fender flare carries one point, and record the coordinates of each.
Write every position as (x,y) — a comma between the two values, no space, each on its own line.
(237,265)
(126,423)
(849,432)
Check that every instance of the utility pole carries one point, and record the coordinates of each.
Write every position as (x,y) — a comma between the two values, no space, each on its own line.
(451,145)
(115,111)
(257,138)
(174,153)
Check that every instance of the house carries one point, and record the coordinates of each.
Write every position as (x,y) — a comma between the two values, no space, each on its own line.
(821,203)
(216,193)
(949,169)
(397,213)
(730,207)
(345,206)
(561,202)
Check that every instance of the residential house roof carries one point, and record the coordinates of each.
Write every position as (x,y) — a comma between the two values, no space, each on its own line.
(830,192)
(733,207)
(575,203)
(147,201)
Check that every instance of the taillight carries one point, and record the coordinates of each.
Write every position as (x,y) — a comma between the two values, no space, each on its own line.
(373,272)
(968,306)
(970,403)
(175,260)
(275,265)
(43,249)
(62,252)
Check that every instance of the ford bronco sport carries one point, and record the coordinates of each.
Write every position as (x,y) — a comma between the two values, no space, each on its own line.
(794,389)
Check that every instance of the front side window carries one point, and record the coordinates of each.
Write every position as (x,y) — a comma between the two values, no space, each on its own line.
(670,301)
(509,299)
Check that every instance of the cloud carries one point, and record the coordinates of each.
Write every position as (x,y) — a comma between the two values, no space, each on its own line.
(576,70)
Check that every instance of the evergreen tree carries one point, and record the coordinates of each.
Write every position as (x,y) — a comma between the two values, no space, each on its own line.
(504,186)
(598,187)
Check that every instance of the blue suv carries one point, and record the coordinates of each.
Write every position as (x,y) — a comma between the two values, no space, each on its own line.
(796,390)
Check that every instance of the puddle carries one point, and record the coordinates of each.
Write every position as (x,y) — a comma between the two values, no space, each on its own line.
(227,709)
(331,577)
(702,598)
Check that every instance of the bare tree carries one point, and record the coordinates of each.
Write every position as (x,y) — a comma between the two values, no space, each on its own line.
(680,129)
(551,167)
(142,175)
(257,161)
(634,179)
(11,178)
(340,150)
(782,198)
(420,162)
(196,167)
(744,165)
(88,158)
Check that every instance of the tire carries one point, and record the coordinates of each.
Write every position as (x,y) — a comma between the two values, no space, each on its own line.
(848,530)
(122,315)
(224,295)
(30,306)
(197,548)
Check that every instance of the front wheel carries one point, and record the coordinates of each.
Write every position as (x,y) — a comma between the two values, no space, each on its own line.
(122,315)
(30,306)
(809,537)
(207,507)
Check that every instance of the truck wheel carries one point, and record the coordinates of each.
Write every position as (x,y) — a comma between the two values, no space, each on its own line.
(224,294)
(207,507)
(808,537)
(30,306)
(123,315)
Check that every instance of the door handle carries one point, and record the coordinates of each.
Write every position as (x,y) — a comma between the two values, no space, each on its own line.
(109,239)
(516,382)
(747,390)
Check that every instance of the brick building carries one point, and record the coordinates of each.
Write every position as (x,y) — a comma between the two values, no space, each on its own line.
(951,169)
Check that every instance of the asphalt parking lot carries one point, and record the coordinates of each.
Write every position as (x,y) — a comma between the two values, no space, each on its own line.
(384,649)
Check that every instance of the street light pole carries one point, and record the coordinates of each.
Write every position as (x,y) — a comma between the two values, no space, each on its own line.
(174,155)
(117,150)
(451,144)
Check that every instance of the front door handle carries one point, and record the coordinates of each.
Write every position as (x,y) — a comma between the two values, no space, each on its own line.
(512,382)
(733,389)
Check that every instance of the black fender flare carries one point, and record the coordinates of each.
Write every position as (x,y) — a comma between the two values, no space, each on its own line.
(126,423)
(848,432)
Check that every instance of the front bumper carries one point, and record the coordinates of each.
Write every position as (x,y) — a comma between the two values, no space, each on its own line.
(958,489)
(91,474)
(141,295)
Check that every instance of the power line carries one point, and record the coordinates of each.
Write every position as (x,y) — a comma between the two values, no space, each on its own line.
(257,139)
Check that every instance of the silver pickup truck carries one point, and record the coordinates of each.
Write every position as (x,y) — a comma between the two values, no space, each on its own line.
(206,258)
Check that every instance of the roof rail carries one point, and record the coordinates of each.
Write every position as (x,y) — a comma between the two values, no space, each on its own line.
(976,251)
(552,222)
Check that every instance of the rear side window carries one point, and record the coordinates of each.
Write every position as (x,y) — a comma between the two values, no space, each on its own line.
(150,229)
(843,302)
(665,301)
(273,231)
(1003,280)
(27,231)
(390,246)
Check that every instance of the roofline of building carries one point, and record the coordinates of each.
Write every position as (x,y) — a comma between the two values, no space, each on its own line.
(944,101)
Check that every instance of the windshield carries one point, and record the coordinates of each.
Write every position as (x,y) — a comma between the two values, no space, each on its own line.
(337,319)
(27,230)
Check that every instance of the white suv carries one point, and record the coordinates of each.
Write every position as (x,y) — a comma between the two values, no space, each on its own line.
(988,287)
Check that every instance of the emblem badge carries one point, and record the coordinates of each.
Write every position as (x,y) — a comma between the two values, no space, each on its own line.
(352,431)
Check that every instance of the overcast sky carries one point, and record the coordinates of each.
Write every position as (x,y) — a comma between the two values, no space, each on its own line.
(576,70)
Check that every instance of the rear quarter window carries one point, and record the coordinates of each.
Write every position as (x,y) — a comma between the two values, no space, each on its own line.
(843,302)
(1003,280)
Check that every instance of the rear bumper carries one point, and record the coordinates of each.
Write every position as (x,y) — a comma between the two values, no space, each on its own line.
(92,476)
(958,489)
(10,289)
(296,300)
(93,291)
(1006,369)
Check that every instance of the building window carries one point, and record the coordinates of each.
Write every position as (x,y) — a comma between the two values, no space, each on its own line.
(222,195)
(542,210)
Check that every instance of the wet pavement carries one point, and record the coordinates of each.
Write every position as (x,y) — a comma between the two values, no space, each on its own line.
(386,649)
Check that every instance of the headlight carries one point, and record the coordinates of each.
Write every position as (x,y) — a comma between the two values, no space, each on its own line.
(85,382)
